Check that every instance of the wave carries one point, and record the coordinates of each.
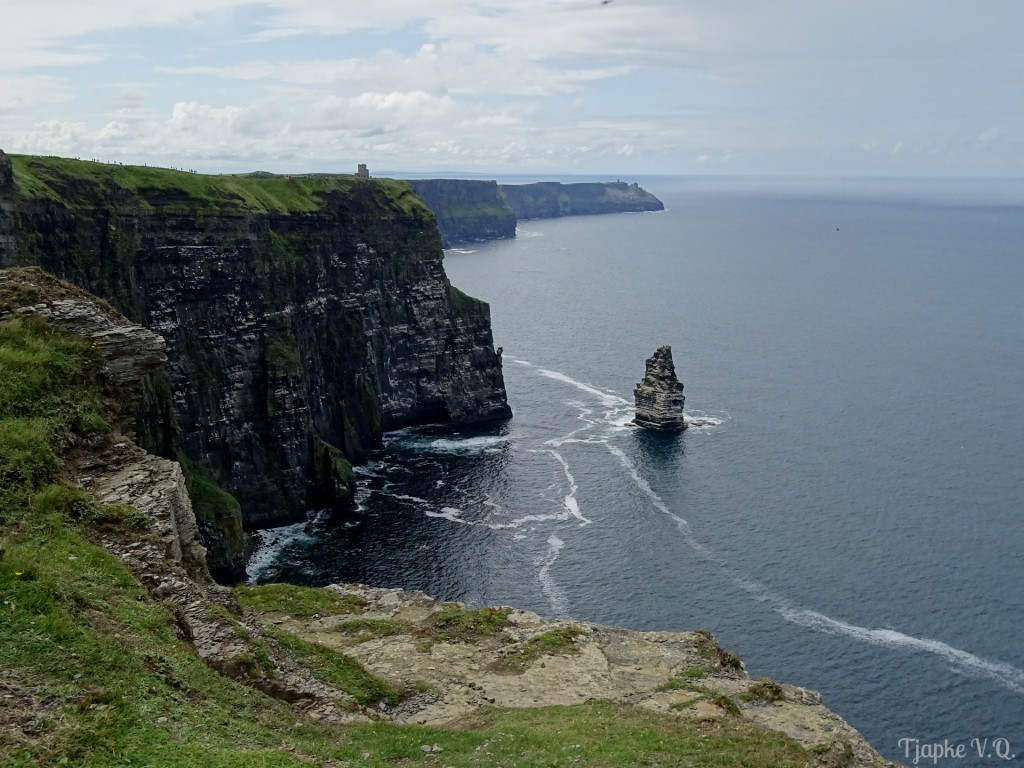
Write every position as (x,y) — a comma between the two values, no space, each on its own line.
(551,590)
(467,444)
(271,541)
(448,513)
(1005,674)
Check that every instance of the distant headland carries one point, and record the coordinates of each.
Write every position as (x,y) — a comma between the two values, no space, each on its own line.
(476,211)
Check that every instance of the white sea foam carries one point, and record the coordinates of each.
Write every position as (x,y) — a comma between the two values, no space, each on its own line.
(519,522)
(962,661)
(606,399)
(467,444)
(448,513)
(548,586)
(406,497)
(569,501)
(270,543)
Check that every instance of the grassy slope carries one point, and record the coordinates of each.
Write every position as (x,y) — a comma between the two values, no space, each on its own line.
(93,672)
(84,183)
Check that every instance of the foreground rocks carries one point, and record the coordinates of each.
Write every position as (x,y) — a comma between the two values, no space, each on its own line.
(659,397)
(682,673)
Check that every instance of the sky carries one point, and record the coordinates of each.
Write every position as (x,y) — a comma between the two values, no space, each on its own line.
(779,87)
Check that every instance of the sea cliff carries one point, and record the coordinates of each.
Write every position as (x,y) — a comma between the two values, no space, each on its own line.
(118,648)
(467,211)
(476,211)
(303,318)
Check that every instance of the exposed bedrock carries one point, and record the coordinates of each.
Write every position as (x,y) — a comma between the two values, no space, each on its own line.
(659,396)
(303,317)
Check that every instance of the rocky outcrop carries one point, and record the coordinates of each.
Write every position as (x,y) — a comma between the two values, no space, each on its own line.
(659,396)
(467,211)
(129,351)
(686,674)
(303,317)
(551,199)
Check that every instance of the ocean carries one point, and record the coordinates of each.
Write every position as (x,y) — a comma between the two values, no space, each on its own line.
(850,518)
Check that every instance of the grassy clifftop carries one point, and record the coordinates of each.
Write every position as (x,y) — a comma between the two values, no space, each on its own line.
(86,183)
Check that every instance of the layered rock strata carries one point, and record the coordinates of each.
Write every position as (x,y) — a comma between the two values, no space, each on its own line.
(659,396)
(304,317)
(467,211)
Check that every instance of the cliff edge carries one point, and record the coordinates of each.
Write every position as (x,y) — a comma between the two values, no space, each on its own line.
(118,648)
(477,211)
(303,317)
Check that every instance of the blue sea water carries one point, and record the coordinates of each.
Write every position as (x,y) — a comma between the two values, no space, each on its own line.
(850,519)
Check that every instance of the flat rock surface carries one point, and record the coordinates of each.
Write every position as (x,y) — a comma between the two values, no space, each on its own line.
(685,673)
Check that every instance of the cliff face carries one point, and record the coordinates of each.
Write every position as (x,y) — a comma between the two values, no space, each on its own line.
(550,199)
(475,211)
(303,317)
(659,395)
(467,211)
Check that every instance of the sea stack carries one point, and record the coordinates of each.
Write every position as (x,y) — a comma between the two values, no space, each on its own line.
(659,397)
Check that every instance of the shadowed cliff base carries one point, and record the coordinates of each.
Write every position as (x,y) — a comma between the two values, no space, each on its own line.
(304,317)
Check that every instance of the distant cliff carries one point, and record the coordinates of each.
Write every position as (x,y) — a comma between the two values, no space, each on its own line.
(303,318)
(551,199)
(467,211)
(475,211)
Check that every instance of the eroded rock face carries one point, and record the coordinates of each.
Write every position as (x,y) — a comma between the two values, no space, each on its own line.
(659,397)
(291,335)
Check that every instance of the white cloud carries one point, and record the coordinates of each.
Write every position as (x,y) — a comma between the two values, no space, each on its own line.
(658,85)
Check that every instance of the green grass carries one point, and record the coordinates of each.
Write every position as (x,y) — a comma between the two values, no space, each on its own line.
(554,642)
(684,681)
(88,184)
(456,624)
(597,734)
(341,671)
(366,629)
(764,690)
(302,602)
(48,389)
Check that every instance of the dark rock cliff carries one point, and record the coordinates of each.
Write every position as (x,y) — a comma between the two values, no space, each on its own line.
(467,211)
(303,318)
(659,395)
(551,199)
(475,211)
